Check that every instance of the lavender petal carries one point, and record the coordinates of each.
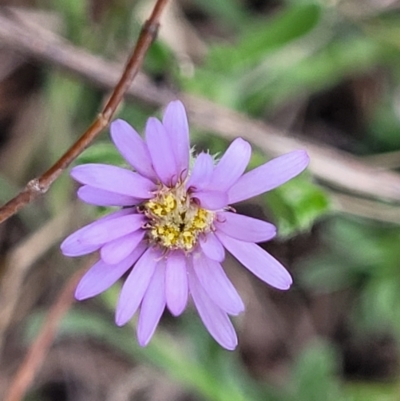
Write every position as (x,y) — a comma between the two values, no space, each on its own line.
(111,229)
(135,286)
(217,285)
(269,176)
(76,244)
(231,166)
(176,284)
(214,318)
(101,276)
(100,197)
(115,251)
(176,125)
(201,172)
(212,248)
(211,200)
(132,148)
(258,261)
(153,305)
(161,152)
(114,179)
(244,228)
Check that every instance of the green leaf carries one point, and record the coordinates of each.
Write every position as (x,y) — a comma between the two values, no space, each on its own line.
(369,391)
(229,12)
(355,252)
(313,376)
(264,37)
(379,306)
(279,80)
(296,205)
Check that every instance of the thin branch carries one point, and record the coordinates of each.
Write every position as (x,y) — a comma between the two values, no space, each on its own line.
(39,348)
(365,208)
(40,185)
(387,160)
(336,168)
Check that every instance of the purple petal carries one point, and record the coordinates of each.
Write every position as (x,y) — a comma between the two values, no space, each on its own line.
(176,125)
(269,176)
(217,285)
(115,251)
(110,230)
(153,305)
(76,243)
(114,179)
(135,286)
(73,247)
(100,197)
(258,261)
(244,228)
(212,248)
(201,172)
(161,152)
(211,200)
(132,148)
(176,284)
(214,318)
(231,166)
(102,276)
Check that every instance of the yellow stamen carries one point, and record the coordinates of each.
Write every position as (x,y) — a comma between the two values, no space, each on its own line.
(175,220)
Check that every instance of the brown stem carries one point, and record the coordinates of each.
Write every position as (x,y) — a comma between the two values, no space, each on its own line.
(40,185)
(38,350)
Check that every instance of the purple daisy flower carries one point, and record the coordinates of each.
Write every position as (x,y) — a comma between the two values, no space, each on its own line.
(175,224)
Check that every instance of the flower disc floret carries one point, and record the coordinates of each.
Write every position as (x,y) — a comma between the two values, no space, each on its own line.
(175,219)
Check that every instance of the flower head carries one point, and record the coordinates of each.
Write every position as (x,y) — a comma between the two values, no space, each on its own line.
(174,225)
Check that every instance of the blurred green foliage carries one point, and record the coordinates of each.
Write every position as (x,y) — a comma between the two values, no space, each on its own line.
(359,254)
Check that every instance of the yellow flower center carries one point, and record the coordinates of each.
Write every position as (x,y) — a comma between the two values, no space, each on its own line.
(175,221)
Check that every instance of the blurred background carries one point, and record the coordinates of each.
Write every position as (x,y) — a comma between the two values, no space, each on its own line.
(284,74)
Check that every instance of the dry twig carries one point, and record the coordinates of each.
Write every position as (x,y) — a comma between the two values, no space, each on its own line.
(40,185)
(365,208)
